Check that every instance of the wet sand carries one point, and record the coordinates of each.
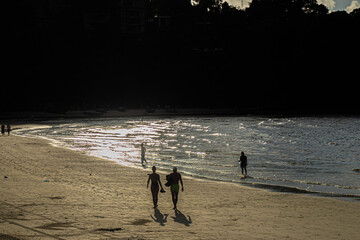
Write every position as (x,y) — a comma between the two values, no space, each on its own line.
(48,192)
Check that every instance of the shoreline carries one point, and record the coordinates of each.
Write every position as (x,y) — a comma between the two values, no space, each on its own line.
(57,193)
(264,186)
(37,116)
(282,189)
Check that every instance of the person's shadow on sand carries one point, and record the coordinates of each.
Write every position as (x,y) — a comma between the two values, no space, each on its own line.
(181,218)
(159,217)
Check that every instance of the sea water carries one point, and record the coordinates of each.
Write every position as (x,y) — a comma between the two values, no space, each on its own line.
(310,154)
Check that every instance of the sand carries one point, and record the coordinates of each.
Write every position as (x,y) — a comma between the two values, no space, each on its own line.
(48,192)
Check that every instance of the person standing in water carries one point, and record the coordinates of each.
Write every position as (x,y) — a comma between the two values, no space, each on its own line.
(143,150)
(243,163)
(174,188)
(155,181)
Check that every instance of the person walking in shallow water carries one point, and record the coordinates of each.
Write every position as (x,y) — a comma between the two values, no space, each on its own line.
(143,159)
(243,163)
(174,187)
(2,129)
(155,181)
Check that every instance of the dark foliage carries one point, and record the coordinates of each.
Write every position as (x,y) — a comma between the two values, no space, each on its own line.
(275,56)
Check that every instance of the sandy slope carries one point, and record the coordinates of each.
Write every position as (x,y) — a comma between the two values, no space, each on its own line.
(56,193)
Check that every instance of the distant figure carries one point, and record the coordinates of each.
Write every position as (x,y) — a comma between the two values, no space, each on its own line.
(243,163)
(174,187)
(2,129)
(8,129)
(143,150)
(155,181)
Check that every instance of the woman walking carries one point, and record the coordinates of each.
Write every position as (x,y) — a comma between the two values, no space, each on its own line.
(155,182)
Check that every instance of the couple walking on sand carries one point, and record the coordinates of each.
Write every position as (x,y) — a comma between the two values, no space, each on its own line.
(3,129)
(173,182)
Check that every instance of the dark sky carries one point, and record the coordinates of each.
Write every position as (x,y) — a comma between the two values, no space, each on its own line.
(332,5)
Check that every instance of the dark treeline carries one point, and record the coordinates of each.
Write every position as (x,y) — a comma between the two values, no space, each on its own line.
(275,56)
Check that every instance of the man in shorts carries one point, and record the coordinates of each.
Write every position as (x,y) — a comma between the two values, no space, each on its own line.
(174,188)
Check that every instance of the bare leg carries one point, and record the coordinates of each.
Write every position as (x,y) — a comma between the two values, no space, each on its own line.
(155,200)
(155,192)
(174,196)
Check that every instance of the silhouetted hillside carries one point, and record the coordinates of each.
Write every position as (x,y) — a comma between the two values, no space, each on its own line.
(275,56)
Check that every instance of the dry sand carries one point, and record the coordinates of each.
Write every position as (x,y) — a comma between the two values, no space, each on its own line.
(56,193)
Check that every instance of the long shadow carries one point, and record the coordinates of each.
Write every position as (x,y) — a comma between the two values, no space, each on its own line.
(181,218)
(159,217)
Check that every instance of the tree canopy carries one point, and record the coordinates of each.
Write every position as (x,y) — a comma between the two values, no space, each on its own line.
(285,54)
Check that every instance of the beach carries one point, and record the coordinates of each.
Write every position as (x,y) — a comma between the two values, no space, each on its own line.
(48,192)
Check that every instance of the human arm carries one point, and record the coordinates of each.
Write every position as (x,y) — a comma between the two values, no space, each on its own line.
(160,183)
(182,185)
(148,182)
(158,178)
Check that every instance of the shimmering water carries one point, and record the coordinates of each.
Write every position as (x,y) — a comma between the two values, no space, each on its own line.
(313,154)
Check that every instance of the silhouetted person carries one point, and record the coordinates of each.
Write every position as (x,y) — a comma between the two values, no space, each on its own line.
(243,163)
(2,129)
(143,150)
(155,181)
(8,129)
(174,188)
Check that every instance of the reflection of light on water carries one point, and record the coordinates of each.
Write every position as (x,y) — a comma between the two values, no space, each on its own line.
(294,152)
(122,142)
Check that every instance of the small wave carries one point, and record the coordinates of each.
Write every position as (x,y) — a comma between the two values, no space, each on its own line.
(218,134)
(305,182)
(279,188)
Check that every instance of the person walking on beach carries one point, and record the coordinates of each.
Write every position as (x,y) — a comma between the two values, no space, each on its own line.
(2,129)
(8,129)
(155,181)
(174,187)
(243,163)
(143,150)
